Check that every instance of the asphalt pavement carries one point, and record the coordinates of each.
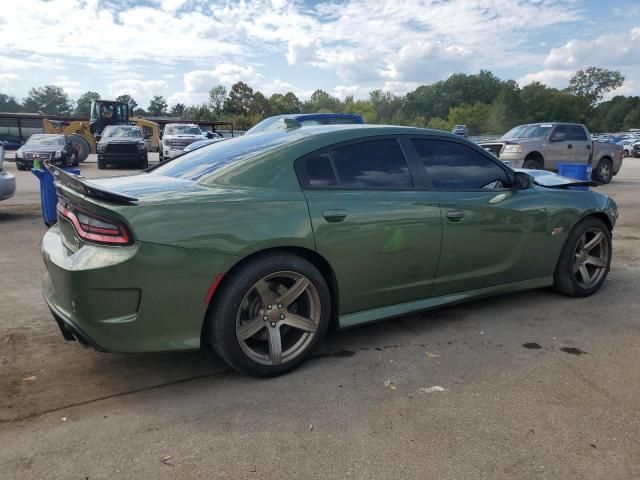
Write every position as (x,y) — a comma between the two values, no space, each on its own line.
(532,385)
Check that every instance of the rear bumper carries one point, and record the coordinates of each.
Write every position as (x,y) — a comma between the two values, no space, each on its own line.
(138,298)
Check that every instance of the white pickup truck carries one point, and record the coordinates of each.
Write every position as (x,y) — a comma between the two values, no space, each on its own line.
(541,146)
(176,136)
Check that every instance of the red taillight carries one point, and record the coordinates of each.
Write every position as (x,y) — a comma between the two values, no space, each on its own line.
(95,228)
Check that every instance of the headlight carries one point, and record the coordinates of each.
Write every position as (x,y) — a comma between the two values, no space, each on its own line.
(166,142)
(19,154)
(512,149)
(142,147)
(58,154)
(101,148)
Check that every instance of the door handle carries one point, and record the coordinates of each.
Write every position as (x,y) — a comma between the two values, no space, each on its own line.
(569,146)
(334,216)
(455,215)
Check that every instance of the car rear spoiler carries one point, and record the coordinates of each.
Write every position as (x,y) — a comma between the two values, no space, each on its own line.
(83,187)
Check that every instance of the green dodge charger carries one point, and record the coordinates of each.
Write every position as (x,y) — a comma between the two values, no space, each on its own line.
(256,244)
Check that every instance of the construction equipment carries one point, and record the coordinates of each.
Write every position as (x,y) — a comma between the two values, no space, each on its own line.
(85,135)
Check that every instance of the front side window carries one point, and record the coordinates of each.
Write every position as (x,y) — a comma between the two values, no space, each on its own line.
(454,166)
(375,164)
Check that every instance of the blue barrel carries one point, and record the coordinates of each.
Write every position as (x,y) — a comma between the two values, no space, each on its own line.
(48,195)
(578,171)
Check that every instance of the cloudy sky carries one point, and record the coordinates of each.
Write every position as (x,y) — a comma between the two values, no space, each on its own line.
(181,48)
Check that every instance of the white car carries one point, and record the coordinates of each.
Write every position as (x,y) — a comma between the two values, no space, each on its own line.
(7,181)
(176,136)
(627,146)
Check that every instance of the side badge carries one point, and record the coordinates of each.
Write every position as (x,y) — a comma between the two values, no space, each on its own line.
(557,231)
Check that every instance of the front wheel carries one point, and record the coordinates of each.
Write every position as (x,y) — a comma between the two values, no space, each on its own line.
(102,164)
(603,173)
(533,164)
(585,259)
(270,315)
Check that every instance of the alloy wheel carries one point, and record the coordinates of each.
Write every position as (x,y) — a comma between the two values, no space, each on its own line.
(591,258)
(604,171)
(278,318)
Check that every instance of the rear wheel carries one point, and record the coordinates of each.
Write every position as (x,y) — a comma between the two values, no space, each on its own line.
(270,315)
(585,259)
(603,172)
(102,164)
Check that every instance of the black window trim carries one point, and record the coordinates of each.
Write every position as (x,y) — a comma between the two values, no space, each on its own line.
(414,172)
(510,174)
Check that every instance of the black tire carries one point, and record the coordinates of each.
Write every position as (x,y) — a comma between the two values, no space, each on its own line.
(144,163)
(102,165)
(626,153)
(75,162)
(533,163)
(564,277)
(160,157)
(236,288)
(603,173)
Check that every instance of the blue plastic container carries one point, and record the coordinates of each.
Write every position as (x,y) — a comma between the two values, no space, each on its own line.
(578,171)
(48,195)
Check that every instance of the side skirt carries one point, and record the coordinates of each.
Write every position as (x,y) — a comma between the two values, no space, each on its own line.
(358,318)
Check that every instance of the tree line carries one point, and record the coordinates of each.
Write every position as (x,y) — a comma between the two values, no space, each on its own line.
(482,101)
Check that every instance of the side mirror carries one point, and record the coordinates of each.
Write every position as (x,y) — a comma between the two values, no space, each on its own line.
(522,181)
(558,137)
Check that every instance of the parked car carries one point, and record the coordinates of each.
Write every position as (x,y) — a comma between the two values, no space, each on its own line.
(10,142)
(627,146)
(460,130)
(202,143)
(122,145)
(635,152)
(55,148)
(7,181)
(256,244)
(542,146)
(279,122)
(176,136)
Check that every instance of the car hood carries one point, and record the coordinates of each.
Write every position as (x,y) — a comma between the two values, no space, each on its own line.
(104,140)
(553,180)
(521,141)
(40,148)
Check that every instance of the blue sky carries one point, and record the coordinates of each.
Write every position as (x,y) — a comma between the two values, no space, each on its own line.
(181,48)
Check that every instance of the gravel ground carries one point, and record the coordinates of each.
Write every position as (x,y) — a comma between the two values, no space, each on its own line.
(529,386)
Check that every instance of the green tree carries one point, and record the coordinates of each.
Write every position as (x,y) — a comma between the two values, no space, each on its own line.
(438,123)
(632,119)
(83,105)
(178,110)
(321,101)
(240,100)
(473,116)
(217,97)
(281,104)
(157,106)
(8,103)
(49,99)
(260,105)
(386,105)
(128,99)
(140,112)
(592,83)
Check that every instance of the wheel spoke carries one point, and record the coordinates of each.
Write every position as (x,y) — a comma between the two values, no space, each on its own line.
(250,328)
(266,296)
(584,273)
(598,262)
(299,322)
(294,292)
(576,263)
(275,345)
(594,242)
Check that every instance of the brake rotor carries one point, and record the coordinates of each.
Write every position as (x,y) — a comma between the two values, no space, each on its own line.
(82,146)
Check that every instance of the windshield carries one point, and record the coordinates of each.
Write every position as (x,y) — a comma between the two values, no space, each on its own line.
(203,162)
(122,131)
(182,130)
(53,140)
(528,131)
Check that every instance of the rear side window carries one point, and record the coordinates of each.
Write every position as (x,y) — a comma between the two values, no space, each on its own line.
(576,132)
(376,164)
(454,166)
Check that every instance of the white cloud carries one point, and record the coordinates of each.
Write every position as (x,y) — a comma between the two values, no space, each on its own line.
(553,78)
(141,90)
(7,82)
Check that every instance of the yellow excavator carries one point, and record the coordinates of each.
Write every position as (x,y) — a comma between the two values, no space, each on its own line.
(85,135)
